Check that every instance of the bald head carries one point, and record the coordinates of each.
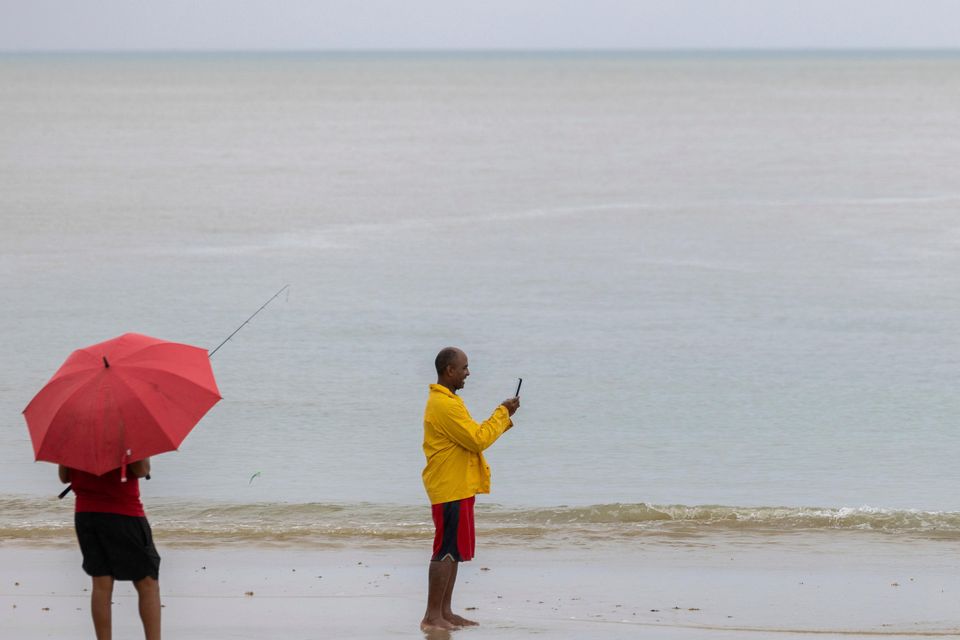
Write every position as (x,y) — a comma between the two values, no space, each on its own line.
(446,357)
(452,368)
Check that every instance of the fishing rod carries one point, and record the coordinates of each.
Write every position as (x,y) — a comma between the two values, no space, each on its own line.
(284,288)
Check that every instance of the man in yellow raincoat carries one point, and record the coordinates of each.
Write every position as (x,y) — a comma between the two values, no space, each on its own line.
(456,471)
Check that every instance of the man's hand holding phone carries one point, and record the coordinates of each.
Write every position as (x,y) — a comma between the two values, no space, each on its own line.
(514,403)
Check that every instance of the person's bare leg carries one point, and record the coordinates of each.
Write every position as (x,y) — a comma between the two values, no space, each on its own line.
(448,613)
(148,592)
(439,577)
(101,597)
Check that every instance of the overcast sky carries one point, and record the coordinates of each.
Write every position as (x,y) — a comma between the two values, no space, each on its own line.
(31,25)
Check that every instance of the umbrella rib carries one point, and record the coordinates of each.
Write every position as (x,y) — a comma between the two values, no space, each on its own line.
(169,398)
(215,391)
(145,353)
(63,379)
(66,401)
(123,382)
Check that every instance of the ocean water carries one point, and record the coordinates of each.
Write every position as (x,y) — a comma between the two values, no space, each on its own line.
(730,283)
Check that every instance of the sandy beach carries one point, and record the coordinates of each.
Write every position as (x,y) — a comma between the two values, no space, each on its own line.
(786,586)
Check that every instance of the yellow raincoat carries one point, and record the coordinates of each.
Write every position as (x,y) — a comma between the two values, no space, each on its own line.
(453,444)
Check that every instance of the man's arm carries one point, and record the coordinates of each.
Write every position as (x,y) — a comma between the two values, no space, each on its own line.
(64,473)
(462,429)
(140,468)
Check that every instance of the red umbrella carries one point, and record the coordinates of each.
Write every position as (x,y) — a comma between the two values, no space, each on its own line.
(120,401)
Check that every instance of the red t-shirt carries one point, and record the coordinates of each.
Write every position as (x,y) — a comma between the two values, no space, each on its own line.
(106,493)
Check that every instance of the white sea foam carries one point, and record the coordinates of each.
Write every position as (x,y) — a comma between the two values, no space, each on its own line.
(25,519)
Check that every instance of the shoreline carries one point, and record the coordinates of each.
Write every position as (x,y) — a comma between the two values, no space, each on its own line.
(823,586)
(192,523)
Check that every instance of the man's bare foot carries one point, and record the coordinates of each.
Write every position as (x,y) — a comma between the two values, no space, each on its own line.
(460,621)
(436,624)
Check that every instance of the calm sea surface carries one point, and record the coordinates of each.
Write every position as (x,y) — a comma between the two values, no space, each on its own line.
(725,281)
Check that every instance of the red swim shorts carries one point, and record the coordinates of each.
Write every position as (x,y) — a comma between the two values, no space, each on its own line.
(455,537)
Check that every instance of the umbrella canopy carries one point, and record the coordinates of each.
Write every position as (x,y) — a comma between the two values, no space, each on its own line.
(120,401)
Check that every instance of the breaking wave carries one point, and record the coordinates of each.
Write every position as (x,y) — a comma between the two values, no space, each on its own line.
(39,520)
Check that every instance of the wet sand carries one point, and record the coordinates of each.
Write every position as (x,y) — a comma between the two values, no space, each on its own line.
(788,586)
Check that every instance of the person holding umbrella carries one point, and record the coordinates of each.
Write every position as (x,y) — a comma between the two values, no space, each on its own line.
(116,543)
(103,414)
(456,471)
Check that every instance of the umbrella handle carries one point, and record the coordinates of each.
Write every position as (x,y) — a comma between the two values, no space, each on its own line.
(123,466)
(63,494)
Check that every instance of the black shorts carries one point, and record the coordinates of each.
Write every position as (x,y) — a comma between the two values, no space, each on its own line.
(117,545)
